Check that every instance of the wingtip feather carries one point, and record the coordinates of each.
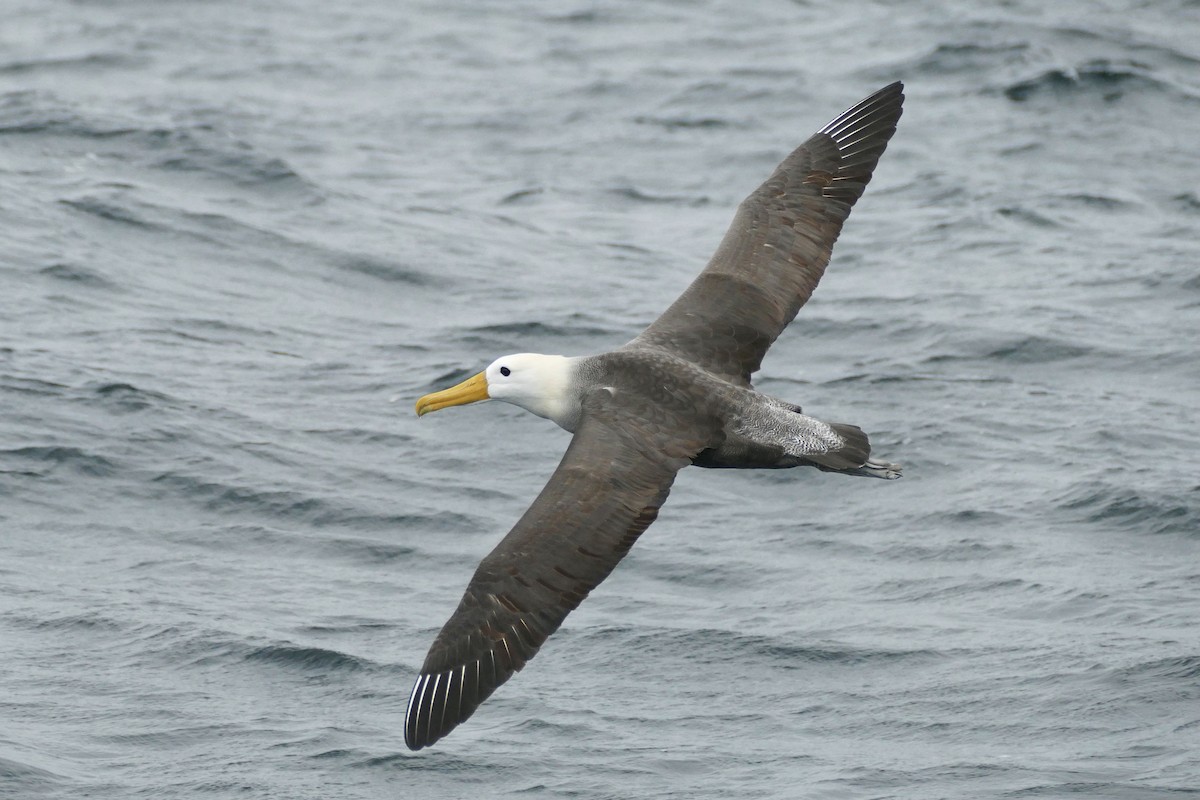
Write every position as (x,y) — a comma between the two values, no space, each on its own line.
(411,717)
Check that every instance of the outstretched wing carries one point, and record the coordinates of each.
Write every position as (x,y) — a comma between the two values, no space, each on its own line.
(778,245)
(606,491)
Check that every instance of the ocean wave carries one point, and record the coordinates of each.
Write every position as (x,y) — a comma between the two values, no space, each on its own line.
(1038,350)
(76,274)
(34,387)
(89,63)
(917,377)
(571,333)
(521,195)
(69,624)
(536,328)
(1089,790)
(1095,201)
(1028,216)
(205,647)
(315,659)
(683,123)
(1159,681)
(130,206)
(1187,201)
(236,161)
(107,208)
(227,497)
(292,505)
(370,551)
(189,146)
(959,550)
(558,729)
(35,112)
(23,778)
(967,57)
(1018,349)
(633,193)
(922,590)
(352,549)
(350,626)
(1104,79)
(1104,503)
(46,459)
(713,646)
(272,248)
(127,398)
(384,269)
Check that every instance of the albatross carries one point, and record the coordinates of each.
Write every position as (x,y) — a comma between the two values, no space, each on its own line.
(678,394)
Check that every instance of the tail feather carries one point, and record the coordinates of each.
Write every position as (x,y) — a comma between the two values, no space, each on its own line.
(853,457)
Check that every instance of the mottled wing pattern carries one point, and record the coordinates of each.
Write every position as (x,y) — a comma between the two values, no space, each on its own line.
(777,248)
(607,490)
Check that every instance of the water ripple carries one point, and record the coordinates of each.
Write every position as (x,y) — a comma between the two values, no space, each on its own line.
(1131,509)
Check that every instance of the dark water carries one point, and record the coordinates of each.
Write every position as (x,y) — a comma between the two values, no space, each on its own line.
(229,232)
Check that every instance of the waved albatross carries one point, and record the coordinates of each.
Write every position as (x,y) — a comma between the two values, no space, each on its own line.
(676,395)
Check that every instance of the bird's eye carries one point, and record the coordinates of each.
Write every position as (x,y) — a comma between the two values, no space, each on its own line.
(505,371)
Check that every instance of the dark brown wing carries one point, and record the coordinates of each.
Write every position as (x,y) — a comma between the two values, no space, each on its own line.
(606,491)
(776,250)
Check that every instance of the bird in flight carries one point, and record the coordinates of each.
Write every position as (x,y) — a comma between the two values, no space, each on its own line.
(678,394)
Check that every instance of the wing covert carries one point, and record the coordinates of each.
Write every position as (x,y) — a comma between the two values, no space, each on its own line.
(777,248)
(606,491)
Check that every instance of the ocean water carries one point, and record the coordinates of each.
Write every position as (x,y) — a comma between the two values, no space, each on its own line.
(230,232)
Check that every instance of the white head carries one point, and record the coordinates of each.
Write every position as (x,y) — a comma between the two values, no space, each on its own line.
(535,382)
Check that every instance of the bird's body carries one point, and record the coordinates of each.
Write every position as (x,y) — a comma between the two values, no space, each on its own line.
(745,428)
(678,394)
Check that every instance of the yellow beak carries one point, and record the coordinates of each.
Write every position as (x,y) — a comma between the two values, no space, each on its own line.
(472,390)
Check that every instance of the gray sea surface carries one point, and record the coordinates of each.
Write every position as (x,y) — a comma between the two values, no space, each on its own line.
(231,231)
